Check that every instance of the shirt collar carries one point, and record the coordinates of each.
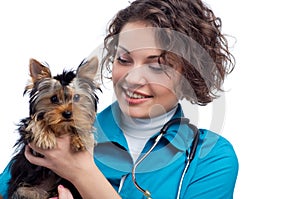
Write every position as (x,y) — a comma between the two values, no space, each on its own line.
(108,130)
(179,134)
(107,126)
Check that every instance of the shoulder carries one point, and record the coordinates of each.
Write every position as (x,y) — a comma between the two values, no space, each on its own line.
(215,168)
(105,112)
(104,117)
(214,144)
(109,113)
(4,179)
(217,157)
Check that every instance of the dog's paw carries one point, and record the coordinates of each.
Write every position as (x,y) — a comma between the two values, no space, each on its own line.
(77,144)
(46,141)
(82,142)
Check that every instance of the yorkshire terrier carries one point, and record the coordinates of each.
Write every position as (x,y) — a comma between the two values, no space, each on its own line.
(63,104)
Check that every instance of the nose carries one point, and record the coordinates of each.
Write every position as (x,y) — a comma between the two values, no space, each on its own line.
(67,114)
(136,76)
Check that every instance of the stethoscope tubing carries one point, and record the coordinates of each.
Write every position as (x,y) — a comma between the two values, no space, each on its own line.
(190,156)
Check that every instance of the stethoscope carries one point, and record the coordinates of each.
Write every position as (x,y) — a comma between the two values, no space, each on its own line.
(190,155)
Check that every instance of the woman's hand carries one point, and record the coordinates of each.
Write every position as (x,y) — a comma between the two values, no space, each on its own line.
(62,160)
(63,193)
(77,167)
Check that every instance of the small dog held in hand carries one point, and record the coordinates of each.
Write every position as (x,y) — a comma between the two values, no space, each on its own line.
(63,104)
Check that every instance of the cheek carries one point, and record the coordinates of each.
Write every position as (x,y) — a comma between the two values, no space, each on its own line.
(170,85)
(163,91)
(117,74)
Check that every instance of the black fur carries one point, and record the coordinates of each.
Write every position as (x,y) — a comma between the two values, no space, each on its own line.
(40,181)
(65,78)
(33,174)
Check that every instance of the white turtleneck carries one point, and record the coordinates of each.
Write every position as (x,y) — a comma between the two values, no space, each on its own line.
(138,131)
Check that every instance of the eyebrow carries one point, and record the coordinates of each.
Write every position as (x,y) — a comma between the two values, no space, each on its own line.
(123,48)
(149,57)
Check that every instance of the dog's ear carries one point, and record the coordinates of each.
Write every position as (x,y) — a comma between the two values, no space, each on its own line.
(38,71)
(88,69)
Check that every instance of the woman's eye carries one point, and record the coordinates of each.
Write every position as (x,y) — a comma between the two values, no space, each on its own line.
(76,97)
(123,61)
(156,67)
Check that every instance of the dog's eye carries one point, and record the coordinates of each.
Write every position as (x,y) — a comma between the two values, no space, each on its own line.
(76,98)
(54,99)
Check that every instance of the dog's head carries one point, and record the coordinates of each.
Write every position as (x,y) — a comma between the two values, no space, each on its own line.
(66,101)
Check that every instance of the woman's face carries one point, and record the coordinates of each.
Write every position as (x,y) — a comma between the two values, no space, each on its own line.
(144,86)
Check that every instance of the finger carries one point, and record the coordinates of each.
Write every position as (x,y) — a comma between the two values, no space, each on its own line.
(64,136)
(64,193)
(33,159)
(35,148)
(63,141)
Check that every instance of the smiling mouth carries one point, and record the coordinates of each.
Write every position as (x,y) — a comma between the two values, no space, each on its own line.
(134,95)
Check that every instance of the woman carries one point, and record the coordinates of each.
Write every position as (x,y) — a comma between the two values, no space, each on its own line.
(157,52)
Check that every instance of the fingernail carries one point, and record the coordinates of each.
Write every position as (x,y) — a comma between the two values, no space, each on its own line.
(61,186)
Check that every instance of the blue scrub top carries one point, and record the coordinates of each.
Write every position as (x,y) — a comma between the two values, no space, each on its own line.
(212,173)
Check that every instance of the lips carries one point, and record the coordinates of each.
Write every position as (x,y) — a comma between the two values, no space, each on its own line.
(134,97)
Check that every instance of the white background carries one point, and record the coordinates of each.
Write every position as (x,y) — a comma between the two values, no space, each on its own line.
(262,111)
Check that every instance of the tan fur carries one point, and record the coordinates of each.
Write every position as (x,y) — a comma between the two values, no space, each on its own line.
(64,104)
(44,132)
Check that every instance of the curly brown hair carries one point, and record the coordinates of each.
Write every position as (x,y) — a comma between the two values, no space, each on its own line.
(204,65)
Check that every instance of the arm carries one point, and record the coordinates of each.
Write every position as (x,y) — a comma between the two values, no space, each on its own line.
(215,172)
(4,179)
(77,167)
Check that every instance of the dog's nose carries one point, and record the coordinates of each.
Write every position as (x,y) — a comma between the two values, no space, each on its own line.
(67,114)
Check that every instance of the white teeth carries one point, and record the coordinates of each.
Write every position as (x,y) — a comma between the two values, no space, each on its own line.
(134,95)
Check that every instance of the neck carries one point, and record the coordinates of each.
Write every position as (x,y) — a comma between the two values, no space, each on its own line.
(138,131)
(145,127)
